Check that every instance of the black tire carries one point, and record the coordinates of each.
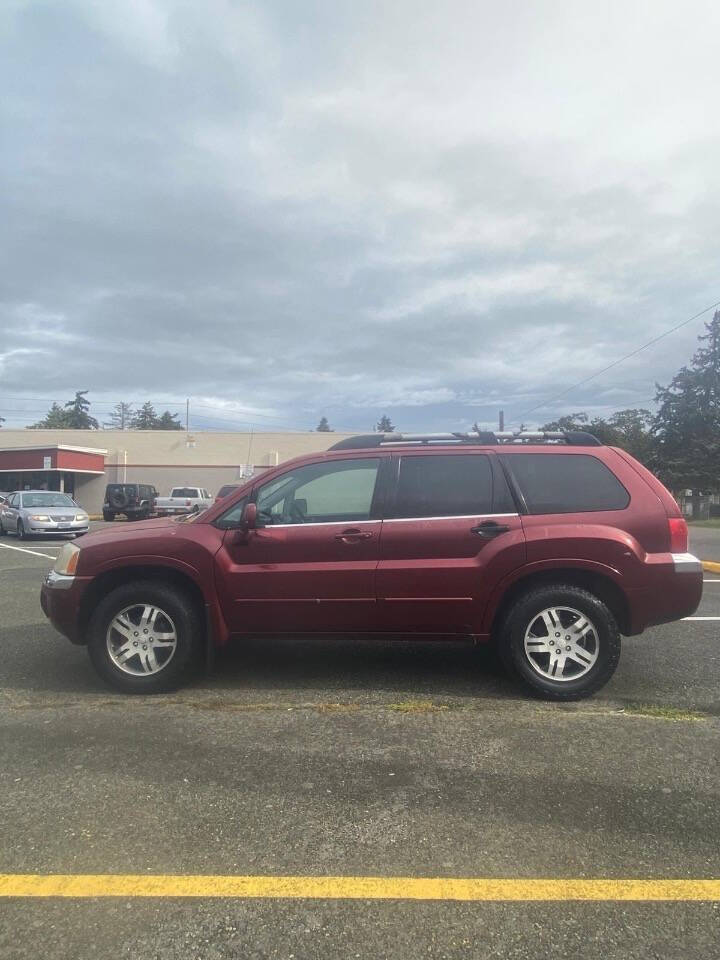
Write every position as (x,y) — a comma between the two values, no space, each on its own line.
(108,516)
(527,609)
(3,531)
(21,535)
(188,627)
(118,499)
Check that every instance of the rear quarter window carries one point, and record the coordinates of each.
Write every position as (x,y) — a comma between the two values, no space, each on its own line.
(567,483)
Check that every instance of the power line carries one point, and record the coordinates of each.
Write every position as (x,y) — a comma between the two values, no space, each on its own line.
(615,363)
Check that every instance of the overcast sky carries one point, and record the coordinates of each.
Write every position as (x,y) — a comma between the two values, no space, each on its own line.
(298,209)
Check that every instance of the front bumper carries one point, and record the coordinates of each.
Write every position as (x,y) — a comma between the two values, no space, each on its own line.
(45,527)
(60,598)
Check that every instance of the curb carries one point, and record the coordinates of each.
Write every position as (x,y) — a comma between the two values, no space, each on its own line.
(711,566)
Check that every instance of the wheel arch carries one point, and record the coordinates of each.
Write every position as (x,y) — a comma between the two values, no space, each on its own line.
(599,584)
(109,580)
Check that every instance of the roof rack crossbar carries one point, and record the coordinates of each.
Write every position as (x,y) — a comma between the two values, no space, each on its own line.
(573,438)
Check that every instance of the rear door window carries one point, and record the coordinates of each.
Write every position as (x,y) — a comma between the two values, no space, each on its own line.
(567,483)
(443,486)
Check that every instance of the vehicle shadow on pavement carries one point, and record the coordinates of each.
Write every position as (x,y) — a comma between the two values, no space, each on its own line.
(44,662)
(331,666)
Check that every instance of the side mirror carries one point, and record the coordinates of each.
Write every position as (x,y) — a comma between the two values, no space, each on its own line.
(249,517)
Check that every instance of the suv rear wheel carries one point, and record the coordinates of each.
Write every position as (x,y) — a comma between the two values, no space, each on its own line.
(144,637)
(562,641)
(108,515)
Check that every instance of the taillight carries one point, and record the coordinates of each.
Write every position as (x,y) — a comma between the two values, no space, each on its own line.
(678,535)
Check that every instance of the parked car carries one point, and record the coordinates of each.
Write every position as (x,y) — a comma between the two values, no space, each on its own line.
(42,512)
(226,490)
(550,546)
(184,500)
(136,501)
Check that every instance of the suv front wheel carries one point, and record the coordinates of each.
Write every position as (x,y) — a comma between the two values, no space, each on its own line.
(562,641)
(144,637)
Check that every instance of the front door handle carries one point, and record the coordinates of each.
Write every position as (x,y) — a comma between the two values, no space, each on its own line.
(352,536)
(488,529)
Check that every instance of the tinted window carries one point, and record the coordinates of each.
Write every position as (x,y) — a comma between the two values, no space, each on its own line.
(189,492)
(444,486)
(567,483)
(335,492)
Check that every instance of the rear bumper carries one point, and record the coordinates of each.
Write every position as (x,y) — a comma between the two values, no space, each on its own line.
(60,599)
(672,590)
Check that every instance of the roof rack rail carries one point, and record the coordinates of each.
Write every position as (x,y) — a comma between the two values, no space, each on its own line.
(572,438)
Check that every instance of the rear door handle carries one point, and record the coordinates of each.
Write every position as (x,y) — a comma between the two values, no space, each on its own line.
(488,529)
(351,536)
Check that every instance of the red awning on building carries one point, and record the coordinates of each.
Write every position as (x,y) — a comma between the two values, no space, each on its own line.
(55,458)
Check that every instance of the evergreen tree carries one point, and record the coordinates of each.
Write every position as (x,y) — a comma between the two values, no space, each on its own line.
(78,412)
(384,425)
(168,421)
(120,417)
(323,426)
(145,418)
(57,418)
(687,423)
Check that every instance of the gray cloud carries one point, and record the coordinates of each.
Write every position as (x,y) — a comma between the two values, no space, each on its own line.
(344,209)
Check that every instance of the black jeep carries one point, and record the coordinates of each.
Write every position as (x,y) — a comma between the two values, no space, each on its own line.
(135,500)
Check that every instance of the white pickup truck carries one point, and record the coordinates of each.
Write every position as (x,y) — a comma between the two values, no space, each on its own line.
(183,500)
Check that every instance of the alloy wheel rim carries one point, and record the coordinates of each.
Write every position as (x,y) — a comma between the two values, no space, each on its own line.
(141,639)
(561,644)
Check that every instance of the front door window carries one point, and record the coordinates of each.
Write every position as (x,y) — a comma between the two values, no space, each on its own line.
(337,492)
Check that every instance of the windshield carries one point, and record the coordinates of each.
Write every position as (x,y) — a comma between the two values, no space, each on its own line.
(47,500)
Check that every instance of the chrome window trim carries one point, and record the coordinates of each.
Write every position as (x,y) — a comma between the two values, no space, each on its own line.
(450,516)
(316,523)
(355,523)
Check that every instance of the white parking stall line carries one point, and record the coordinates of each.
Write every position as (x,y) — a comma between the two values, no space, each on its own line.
(701,618)
(711,581)
(34,553)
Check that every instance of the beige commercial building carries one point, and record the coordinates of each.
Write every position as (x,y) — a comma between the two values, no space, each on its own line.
(81,462)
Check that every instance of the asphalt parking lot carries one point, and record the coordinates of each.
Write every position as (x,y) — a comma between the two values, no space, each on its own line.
(356,760)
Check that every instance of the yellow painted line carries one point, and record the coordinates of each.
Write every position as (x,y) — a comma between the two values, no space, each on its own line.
(354,888)
(711,566)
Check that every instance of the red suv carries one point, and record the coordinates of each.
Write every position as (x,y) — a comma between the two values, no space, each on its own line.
(549,545)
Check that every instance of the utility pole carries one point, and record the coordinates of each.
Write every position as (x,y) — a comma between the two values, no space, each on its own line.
(501,420)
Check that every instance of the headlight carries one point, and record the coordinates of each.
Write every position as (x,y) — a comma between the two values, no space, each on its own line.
(81,516)
(39,516)
(67,560)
